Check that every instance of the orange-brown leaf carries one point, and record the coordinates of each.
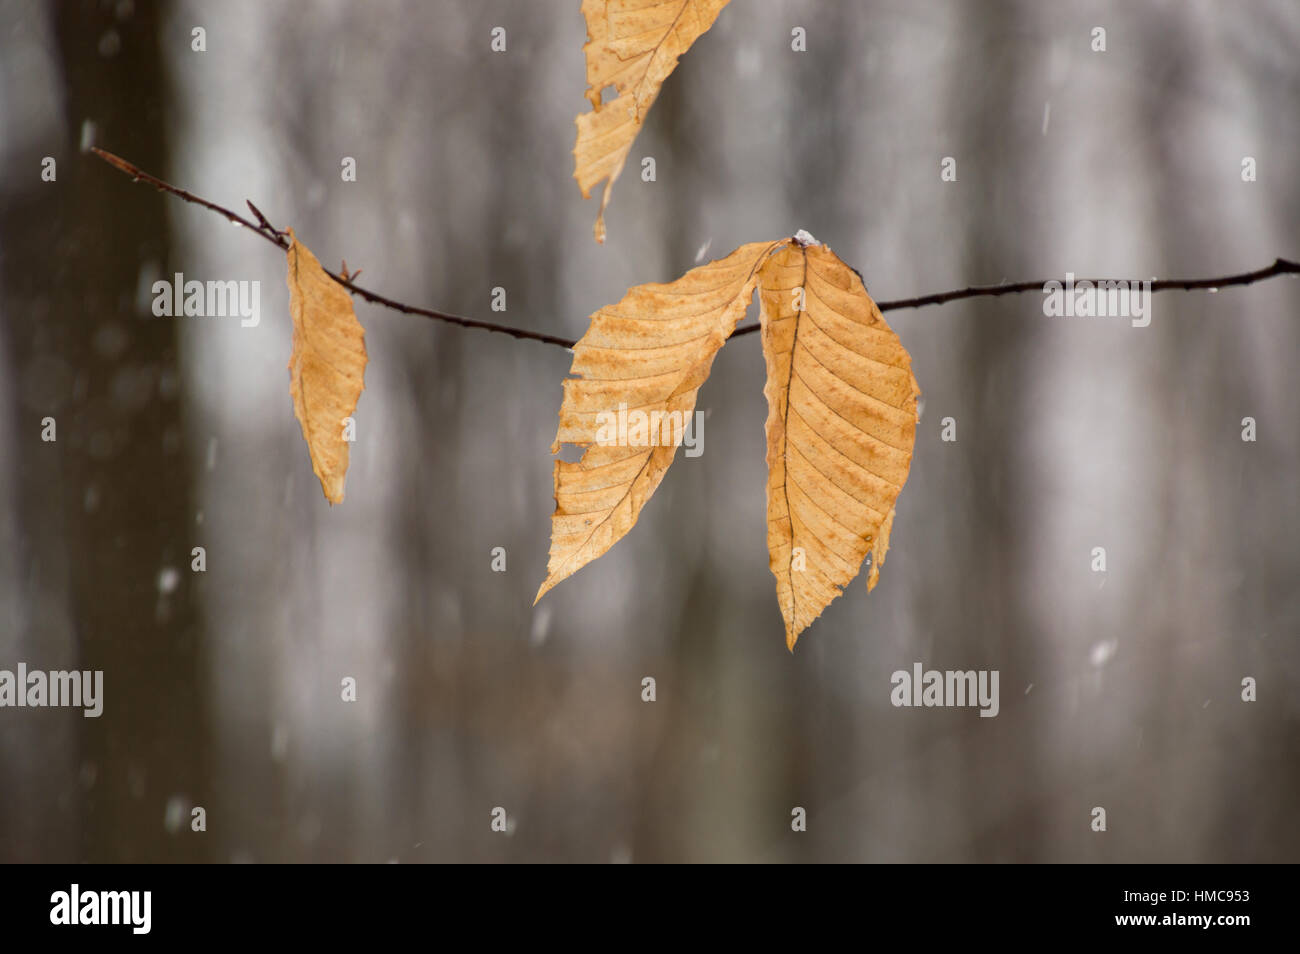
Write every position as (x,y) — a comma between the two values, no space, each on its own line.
(649,353)
(327,366)
(632,45)
(840,429)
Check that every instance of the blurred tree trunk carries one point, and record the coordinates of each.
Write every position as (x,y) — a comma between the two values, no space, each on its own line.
(996,367)
(109,506)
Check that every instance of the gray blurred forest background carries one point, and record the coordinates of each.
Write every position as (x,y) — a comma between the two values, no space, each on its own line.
(1118,689)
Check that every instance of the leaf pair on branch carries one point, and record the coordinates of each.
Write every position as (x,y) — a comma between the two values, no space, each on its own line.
(841,414)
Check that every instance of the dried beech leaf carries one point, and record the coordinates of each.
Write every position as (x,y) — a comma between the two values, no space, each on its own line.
(649,353)
(840,429)
(327,366)
(841,414)
(632,45)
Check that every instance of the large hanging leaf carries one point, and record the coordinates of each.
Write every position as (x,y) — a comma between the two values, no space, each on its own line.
(649,353)
(632,45)
(327,365)
(840,429)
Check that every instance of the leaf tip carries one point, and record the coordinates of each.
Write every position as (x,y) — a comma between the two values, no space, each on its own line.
(880,549)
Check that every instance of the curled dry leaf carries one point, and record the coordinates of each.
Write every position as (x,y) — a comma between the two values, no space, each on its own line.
(327,366)
(633,46)
(840,430)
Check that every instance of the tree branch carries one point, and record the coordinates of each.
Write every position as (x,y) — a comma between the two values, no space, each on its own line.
(276,237)
(1279,267)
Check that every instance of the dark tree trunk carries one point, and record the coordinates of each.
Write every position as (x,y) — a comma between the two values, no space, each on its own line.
(104,511)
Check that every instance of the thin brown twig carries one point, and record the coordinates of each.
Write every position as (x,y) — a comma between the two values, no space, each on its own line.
(276,237)
(1279,267)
